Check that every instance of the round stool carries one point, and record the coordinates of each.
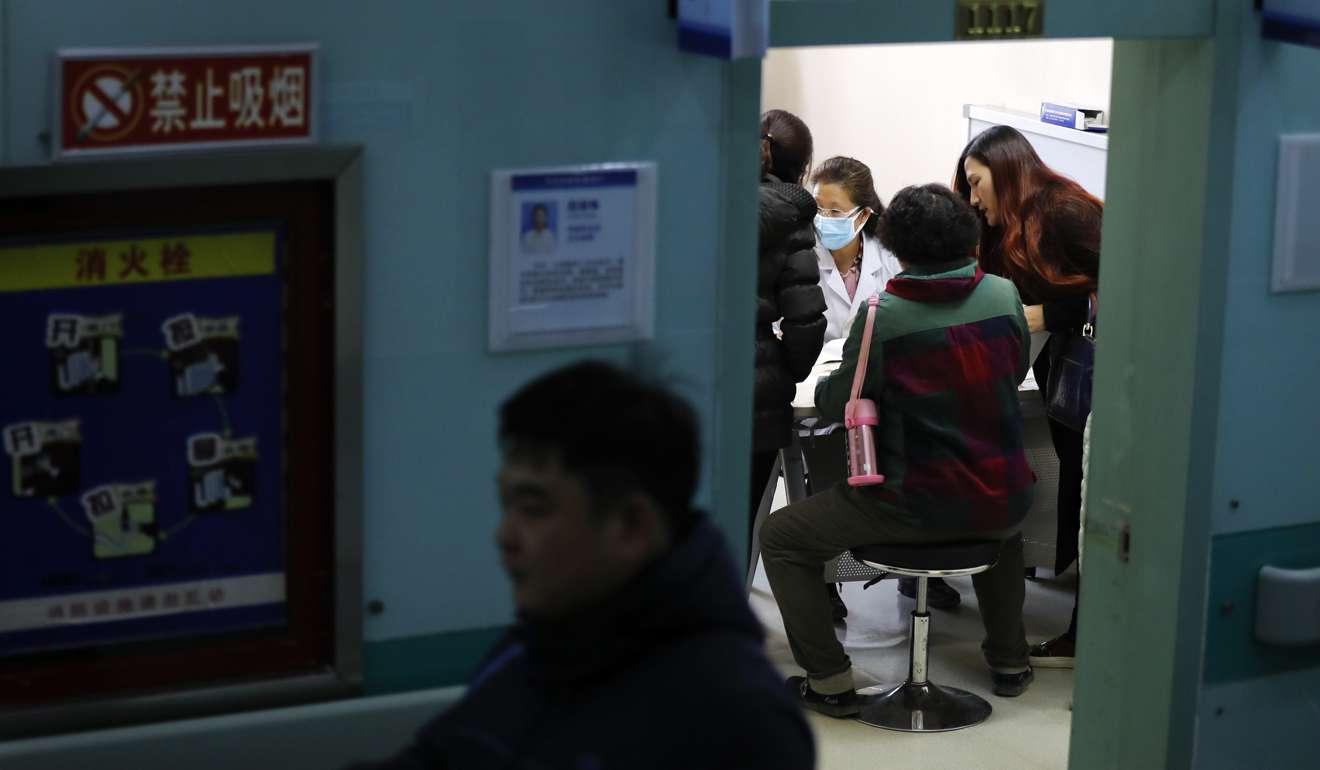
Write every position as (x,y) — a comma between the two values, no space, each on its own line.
(918,705)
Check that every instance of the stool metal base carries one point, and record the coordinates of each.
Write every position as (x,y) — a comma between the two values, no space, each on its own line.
(924,708)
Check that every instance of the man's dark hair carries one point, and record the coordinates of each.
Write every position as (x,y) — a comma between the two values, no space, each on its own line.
(928,225)
(616,432)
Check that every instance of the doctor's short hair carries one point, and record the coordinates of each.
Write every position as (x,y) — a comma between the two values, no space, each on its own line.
(854,177)
(617,433)
(928,225)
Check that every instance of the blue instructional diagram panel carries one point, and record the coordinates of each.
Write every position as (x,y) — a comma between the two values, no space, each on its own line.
(140,411)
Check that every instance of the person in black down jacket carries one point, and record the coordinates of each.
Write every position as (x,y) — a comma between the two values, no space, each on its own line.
(787,291)
(634,647)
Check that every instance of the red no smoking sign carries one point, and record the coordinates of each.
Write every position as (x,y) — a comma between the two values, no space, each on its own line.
(152,100)
(107,103)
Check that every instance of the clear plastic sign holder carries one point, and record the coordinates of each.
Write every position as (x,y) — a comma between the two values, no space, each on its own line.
(572,256)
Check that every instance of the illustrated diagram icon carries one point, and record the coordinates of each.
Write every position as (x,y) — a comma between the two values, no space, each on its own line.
(123,519)
(222,472)
(203,354)
(83,353)
(44,458)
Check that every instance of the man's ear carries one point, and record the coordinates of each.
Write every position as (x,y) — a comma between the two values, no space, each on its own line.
(637,526)
(766,160)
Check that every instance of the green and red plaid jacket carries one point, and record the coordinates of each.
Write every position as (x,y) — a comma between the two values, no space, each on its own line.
(948,352)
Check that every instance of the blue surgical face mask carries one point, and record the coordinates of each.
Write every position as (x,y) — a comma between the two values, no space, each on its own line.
(837,232)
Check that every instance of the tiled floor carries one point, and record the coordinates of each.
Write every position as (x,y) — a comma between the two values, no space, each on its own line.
(1022,734)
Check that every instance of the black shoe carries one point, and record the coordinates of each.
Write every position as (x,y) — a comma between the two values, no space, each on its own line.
(1058,652)
(836,602)
(839,706)
(1012,685)
(939,594)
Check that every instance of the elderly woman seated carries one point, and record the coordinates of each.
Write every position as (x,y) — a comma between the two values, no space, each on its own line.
(948,351)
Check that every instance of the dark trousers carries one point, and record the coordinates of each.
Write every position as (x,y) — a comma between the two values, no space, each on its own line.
(798,540)
(1068,446)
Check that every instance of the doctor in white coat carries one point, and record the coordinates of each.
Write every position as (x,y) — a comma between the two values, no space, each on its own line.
(853,264)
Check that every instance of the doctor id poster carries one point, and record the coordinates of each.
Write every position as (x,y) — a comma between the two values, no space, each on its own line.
(572,255)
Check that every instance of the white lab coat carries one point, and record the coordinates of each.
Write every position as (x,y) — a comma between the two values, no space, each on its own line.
(538,242)
(878,266)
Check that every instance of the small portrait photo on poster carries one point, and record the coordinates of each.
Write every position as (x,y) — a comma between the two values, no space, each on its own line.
(539,227)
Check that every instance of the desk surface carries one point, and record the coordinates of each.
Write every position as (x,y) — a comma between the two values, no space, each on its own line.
(804,401)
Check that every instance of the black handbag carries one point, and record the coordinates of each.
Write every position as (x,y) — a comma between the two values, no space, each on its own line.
(1072,367)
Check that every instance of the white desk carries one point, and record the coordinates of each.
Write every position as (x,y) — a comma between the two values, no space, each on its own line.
(804,400)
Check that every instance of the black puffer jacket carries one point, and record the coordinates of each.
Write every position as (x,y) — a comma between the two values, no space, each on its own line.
(667,674)
(787,287)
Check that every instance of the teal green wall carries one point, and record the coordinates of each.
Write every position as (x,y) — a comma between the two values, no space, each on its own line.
(856,22)
(321,736)
(1264,487)
(1271,359)
(1260,701)
(1206,404)
(440,94)
(1146,542)
(435,660)
(1232,653)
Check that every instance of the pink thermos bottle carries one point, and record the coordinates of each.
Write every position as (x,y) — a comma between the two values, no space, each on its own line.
(861,417)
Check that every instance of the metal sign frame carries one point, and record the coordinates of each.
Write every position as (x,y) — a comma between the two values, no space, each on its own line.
(341,167)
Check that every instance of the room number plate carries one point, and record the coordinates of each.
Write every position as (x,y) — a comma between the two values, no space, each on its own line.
(998,19)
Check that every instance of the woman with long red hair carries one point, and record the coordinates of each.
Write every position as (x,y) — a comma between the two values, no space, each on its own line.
(1041,230)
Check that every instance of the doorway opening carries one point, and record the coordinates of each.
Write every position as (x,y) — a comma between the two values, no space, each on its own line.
(906,111)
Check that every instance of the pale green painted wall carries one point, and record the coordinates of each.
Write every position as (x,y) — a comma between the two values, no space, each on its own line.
(311,737)
(1271,366)
(1207,401)
(439,94)
(1260,702)
(1152,341)
(438,73)
(844,22)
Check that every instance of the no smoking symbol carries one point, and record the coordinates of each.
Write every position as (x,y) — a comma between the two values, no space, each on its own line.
(106,104)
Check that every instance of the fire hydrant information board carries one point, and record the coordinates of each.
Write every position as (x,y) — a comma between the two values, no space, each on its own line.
(143,391)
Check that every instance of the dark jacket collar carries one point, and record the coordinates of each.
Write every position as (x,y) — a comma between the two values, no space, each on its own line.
(693,589)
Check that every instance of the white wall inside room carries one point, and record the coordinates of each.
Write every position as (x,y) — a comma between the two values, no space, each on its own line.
(898,108)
